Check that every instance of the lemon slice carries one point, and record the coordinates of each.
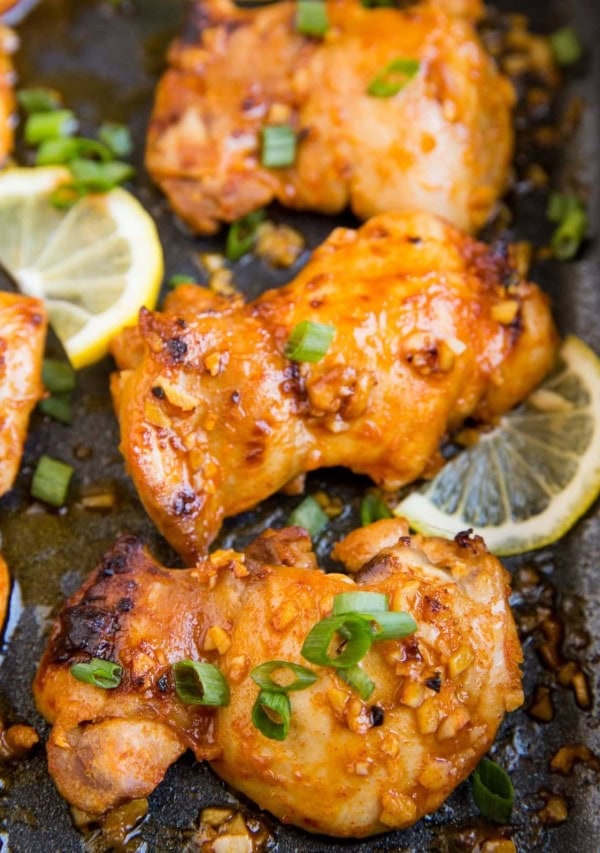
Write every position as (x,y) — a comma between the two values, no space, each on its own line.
(94,264)
(525,483)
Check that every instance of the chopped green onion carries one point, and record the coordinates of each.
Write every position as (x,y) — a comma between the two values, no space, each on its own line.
(373,508)
(311,18)
(50,125)
(393,78)
(242,235)
(58,407)
(569,235)
(51,480)
(566,46)
(309,341)
(493,791)
(181,278)
(372,4)
(390,625)
(200,683)
(355,638)
(66,196)
(278,146)
(65,150)
(117,137)
(100,177)
(271,714)
(358,679)
(38,100)
(100,673)
(355,602)
(58,376)
(308,515)
(560,205)
(262,675)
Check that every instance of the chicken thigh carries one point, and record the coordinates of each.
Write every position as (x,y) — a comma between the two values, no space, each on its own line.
(22,337)
(430,327)
(438,140)
(349,766)
(7,102)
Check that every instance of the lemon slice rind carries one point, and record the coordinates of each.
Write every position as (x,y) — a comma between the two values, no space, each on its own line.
(565,505)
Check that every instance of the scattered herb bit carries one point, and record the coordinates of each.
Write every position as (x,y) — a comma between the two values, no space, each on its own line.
(51,480)
(373,4)
(391,625)
(262,675)
(271,714)
(311,18)
(58,376)
(200,683)
(566,46)
(309,341)
(92,162)
(393,78)
(338,641)
(308,515)
(493,791)
(278,146)
(357,631)
(38,100)
(358,679)
(49,125)
(116,137)
(58,406)
(355,602)
(99,177)
(242,235)
(569,234)
(373,508)
(100,673)
(64,150)
(560,205)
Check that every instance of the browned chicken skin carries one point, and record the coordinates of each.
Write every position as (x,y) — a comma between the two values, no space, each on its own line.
(7,76)
(442,144)
(22,336)
(347,767)
(4,591)
(430,327)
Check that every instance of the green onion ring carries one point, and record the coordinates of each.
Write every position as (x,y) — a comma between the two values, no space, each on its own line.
(270,705)
(100,673)
(357,602)
(355,632)
(200,683)
(261,675)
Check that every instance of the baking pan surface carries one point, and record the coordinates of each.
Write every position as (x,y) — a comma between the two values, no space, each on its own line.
(105,60)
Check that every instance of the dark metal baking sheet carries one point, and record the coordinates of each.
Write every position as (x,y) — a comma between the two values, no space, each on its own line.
(106,62)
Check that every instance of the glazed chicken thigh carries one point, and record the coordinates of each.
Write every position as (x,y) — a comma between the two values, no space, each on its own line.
(22,336)
(348,766)
(441,143)
(7,102)
(430,327)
